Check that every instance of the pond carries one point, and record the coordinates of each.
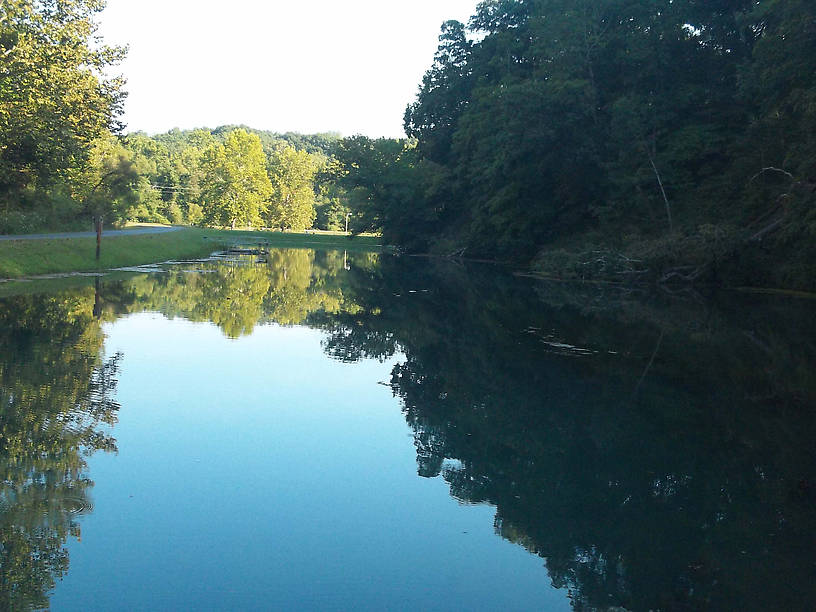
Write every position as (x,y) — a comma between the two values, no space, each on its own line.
(333,430)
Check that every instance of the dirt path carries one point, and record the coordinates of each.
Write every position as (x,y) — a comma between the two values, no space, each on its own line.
(127,232)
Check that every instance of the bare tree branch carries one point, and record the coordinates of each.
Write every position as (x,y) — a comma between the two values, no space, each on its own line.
(662,190)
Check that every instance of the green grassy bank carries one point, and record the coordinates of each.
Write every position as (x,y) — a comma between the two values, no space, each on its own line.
(296,240)
(21,258)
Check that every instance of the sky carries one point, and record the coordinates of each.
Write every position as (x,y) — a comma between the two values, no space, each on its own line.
(348,66)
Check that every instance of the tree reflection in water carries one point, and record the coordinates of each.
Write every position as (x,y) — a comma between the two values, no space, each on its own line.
(657,453)
(55,393)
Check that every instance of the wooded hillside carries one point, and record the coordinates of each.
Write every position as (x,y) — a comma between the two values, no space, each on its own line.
(672,138)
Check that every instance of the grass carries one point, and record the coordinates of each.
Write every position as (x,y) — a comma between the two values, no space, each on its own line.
(36,257)
(316,239)
(23,258)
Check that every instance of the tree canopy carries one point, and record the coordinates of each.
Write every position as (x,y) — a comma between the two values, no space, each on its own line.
(55,101)
(293,188)
(668,130)
(234,185)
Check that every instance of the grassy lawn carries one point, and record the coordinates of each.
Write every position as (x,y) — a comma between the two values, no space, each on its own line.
(19,258)
(314,239)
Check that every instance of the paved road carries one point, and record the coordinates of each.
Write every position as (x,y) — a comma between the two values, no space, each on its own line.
(128,232)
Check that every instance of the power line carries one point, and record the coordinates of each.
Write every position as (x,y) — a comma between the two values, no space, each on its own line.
(174,189)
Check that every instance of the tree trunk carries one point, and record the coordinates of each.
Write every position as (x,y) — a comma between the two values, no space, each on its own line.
(98,223)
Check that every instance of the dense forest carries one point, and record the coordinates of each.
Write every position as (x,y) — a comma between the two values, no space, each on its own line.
(233,176)
(672,140)
(621,139)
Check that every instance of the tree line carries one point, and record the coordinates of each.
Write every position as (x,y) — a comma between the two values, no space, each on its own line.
(64,158)
(233,176)
(672,132)
(673,139)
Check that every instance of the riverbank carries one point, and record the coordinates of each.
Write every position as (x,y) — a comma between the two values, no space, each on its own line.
(721,256)
(28,257)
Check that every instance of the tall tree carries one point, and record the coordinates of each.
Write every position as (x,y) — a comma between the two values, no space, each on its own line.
(292,172)
(390,189)
(55,99)
(443,95)
(112,185)
(234,184)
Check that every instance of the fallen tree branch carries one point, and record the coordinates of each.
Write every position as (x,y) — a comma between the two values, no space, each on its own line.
(770,169)
(633,272)
(662,191)
(772,227)
(696,272)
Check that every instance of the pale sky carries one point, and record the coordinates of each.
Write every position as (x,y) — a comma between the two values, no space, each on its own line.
(309,66)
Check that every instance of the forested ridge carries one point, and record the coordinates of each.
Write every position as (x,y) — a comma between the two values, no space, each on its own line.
(668,141)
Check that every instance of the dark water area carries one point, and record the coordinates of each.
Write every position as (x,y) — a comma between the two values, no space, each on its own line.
(326,430)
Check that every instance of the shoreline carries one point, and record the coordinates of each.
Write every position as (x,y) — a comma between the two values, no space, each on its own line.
(27,259)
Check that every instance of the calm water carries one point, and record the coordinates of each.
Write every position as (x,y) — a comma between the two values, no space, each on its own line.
(357,431)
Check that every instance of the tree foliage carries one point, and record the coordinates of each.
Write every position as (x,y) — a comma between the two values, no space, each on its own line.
(234,184)
(210,176)
(292,173)
(542,121)
(54,100)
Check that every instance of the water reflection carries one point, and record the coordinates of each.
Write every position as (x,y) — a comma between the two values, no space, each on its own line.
(238,294)
(656,452)
(55,394)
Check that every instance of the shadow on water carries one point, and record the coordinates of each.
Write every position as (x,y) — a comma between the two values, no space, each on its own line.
(656,451)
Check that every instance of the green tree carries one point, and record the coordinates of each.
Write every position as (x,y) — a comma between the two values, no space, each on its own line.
(234,182)
(634,124)
(390,188)
(55,101)
(292,172)
(111,185)
(443,95)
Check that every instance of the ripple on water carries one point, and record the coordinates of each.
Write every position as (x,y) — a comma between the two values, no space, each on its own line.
(76,506)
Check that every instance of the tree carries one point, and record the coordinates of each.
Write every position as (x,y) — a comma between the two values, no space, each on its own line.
(292,202)
(390,188)
(234,182)
(111,185)
(443,95)
(55,101)
(612,120)
(779,87)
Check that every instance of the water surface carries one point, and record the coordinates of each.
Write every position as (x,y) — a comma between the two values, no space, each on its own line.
(332,431)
